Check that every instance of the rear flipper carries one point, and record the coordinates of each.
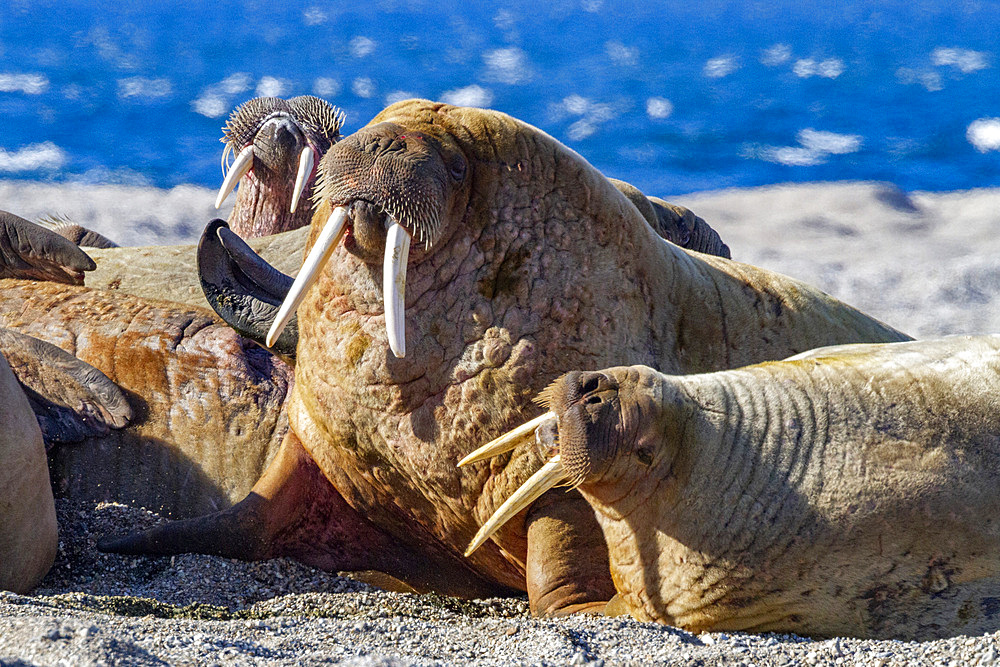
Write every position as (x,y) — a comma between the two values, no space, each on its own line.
(30,251)
(294,511)
(71,399)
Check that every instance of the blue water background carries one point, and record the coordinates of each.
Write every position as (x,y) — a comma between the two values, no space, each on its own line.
(674,97)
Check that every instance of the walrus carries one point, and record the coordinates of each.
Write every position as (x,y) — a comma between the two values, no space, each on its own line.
(528,263)
(277,144)
(850,491)
(28,532)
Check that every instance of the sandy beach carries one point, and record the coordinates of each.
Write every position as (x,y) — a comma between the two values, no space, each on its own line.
(926,263)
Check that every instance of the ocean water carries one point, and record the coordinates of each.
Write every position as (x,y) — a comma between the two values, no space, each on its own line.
(674,97)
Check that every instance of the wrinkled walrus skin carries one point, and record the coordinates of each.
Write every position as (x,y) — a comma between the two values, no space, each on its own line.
(851,491)
(206,403)
(28,533)
(536,264)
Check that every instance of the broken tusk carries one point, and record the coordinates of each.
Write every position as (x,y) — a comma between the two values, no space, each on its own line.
(328,239)
(507,441)
(306,162)
(547,476)
(397,250)
(239,169)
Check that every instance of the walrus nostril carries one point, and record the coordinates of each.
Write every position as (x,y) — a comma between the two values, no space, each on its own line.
(591,384)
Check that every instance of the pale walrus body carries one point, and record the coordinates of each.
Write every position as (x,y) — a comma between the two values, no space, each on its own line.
(851,491)
(28,536)
(534,264)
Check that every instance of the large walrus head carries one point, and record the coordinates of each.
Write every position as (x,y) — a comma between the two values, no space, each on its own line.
(277,144)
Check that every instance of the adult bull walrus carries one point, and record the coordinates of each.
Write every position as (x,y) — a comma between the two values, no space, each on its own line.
(530,263)
(850,491)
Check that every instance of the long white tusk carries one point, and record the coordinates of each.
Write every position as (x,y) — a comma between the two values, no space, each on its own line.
(306,162)
(328,239)
(239,169)
(507,441)
(547,476)
(397,250)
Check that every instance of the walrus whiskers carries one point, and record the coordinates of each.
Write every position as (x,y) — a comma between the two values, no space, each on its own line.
(549,475)
(329,238)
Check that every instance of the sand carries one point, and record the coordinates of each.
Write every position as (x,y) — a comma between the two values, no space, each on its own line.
(926,263)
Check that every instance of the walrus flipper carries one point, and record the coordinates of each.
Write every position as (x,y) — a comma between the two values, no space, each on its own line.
(78,234)
(675,223)
(28,250)
(71,399)
(242,288)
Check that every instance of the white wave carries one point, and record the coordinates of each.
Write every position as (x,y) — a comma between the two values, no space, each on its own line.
(314,16)
(716,68)
(399,96)
(775,55)
(815,146)
(325,86)
(793,156)
(830,142)
(929,79)
(29,84)
(144,88)
(363,87)
(361,46)
(582,129)
(984,134)
(621,55)
(270,86)
(469,96)
(830,68)
(45,156)
(592,6)
(576,104)
(965,60)
(510,65)
(659,107)
(215,100)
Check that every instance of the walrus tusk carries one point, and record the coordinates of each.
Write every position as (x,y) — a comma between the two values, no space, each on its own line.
(239,169)
(397,250)
(328,240)
(506,442)
(306,162)
(544,479)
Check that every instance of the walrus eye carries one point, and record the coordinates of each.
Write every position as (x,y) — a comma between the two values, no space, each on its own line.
(645,456)
(457,168)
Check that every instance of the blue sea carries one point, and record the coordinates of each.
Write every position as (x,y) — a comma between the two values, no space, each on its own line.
(674,97)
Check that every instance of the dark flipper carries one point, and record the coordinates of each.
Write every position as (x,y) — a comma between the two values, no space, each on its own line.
(31,251)
(675,223)
(294,511)
(242,288)
(71,399)
(79,235)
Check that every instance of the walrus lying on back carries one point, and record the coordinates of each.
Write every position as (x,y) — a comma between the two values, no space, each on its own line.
(853,490)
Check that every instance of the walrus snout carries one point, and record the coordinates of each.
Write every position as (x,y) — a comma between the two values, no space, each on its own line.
(586,405)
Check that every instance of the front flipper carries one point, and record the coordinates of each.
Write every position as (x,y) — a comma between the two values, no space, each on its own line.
(78,234)
(567,566)
(675,223)
(31,251)
(242,288)
(294,511)
(71,399)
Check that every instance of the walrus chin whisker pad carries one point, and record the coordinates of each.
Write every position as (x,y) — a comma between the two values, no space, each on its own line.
(397,251)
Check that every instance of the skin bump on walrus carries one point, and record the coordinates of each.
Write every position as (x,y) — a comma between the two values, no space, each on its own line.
(849,491)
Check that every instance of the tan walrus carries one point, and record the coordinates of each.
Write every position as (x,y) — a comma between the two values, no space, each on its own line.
(28,534)
(850,491)
(531,263)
